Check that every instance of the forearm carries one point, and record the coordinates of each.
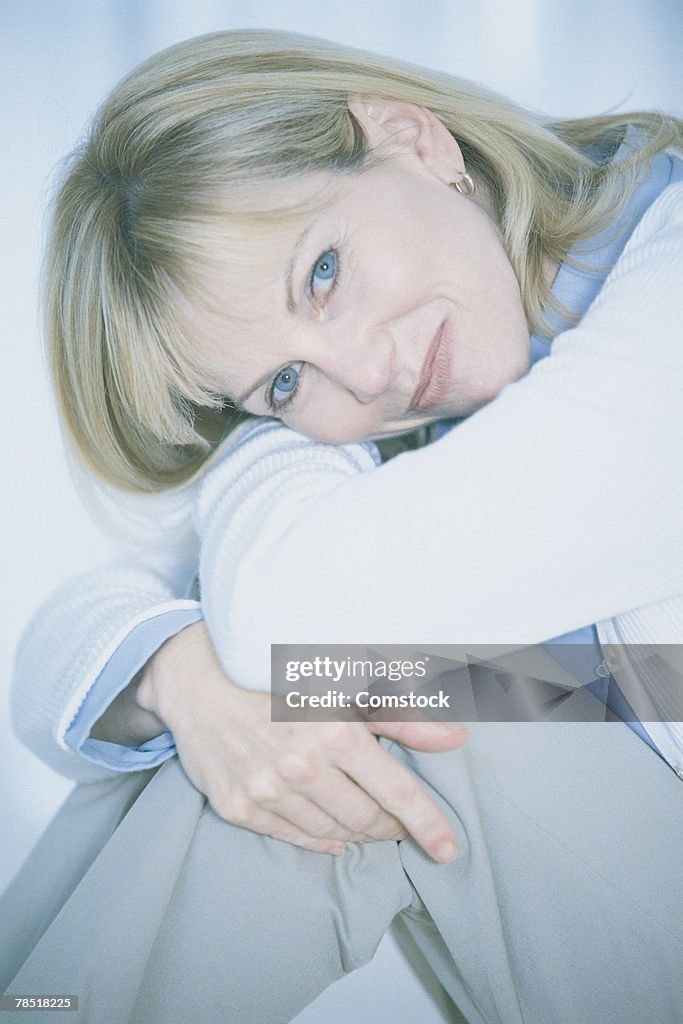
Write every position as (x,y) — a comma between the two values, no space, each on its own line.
(126,721)
(388,555)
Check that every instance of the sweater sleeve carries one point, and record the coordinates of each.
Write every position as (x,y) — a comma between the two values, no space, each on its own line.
(129,657)
(68,645)
(471,539)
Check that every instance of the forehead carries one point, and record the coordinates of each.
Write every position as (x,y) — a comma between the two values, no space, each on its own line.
(245,248)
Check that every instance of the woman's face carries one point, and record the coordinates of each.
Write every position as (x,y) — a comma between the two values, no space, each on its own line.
(393,306)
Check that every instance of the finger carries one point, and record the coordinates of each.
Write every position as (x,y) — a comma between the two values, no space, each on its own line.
(355,809)
(329,792)
(315,820)
(428,736)
(268,823)
(398,791)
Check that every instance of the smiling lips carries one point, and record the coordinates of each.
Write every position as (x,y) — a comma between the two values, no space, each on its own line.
(436,373)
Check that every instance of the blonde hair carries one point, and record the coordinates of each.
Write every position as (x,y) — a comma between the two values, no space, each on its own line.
(194,123)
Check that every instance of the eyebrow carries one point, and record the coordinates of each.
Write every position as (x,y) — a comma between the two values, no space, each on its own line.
(291,307)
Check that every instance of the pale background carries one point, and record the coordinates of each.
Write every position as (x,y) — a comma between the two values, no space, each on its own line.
(57,60)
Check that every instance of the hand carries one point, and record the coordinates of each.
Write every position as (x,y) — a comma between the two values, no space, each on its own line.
(314,784)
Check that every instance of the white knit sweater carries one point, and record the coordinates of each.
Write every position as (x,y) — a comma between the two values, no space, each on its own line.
(470,540)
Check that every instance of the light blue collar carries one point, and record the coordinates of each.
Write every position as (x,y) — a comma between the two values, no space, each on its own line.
(575,287)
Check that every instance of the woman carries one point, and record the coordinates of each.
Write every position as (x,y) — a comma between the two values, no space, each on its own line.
(269,225)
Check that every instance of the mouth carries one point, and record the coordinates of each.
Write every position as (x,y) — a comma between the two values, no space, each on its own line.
(436,374)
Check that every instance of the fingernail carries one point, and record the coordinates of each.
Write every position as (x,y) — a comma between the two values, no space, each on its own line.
(446,851)
(451,728)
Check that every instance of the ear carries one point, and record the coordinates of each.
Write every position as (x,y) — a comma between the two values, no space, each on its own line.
(397,127)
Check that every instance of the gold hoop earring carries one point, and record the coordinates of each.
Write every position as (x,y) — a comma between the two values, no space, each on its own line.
(465,186)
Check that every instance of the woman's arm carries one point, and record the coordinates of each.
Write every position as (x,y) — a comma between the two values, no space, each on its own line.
(312,784)
(556,505)
(128,623)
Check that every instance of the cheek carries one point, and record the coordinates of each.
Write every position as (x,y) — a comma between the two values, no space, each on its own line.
(486,370)
(396,261)
(338,420)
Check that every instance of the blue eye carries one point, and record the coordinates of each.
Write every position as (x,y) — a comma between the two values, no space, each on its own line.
(284,385)
(324,273)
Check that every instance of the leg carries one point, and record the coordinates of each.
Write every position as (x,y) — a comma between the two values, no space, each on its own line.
(183,918)
(564,906)
(259,928)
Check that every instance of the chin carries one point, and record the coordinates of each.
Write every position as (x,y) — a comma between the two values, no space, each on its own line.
(491,388)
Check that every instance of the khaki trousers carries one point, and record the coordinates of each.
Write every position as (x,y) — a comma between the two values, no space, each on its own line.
(565,905)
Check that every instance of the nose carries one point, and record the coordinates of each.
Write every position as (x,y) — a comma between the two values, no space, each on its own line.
(365,364)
